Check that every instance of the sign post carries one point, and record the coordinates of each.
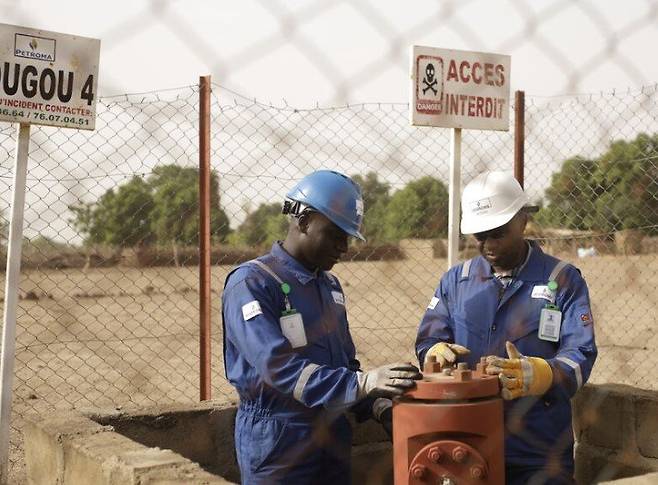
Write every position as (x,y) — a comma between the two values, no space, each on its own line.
(458,89)
(48,79)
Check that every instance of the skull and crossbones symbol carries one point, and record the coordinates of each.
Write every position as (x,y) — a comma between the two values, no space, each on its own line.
(429,80)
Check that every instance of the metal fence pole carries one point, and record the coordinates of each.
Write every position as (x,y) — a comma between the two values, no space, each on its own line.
(519,135)
(454,194)
(12,281)
(204,236)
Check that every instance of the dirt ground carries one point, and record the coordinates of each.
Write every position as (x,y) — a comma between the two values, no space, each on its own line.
(122,336)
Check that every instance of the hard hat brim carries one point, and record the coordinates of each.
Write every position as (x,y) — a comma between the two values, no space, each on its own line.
(347,230)
(471,226)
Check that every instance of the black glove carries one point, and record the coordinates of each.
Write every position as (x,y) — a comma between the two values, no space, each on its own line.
(382,411)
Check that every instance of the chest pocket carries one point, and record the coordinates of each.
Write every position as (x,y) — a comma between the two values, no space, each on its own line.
(468,333)
(524,319)
(523,328)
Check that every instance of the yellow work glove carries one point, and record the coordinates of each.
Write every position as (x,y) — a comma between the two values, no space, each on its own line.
(446,353)
(520,375)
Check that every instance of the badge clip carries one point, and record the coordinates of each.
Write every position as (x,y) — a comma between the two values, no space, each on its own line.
(285,288)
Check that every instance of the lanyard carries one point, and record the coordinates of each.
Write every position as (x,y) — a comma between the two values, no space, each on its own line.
(285,287)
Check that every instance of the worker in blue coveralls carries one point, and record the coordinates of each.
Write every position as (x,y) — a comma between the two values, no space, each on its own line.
(529,314)
(288,349)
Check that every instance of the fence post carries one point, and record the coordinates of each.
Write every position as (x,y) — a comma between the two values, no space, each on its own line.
(519,135)
(204,237)
(454,191)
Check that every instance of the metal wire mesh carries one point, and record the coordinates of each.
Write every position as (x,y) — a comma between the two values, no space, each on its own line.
(272,147)
(103,328)
(97,327)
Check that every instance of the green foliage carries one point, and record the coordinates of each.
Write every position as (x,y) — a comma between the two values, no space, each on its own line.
(127,215)
(176,213)
(87,222)
(261,227)
(163,209)
(120,219)
(419,210)
(619,190)
(575,182)
(375,200)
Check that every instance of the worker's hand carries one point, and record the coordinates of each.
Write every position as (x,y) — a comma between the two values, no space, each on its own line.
(388,380)
(382,411)
(445,353)
(520,375)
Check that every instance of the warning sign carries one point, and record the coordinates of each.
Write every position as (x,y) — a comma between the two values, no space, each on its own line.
(459,89)
(48,78)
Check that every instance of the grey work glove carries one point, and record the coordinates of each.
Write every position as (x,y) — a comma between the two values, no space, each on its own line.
(388,380)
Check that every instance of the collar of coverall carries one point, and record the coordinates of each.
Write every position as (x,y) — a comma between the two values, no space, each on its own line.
(302,274)
(516,271)
(530,271)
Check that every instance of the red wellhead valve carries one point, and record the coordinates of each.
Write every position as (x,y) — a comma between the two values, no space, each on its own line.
(449,429)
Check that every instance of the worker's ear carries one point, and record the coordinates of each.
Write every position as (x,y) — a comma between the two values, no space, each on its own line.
(522,220)
(303,221)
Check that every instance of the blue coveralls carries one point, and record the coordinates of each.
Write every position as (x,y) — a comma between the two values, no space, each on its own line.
(471,308)
(291,424)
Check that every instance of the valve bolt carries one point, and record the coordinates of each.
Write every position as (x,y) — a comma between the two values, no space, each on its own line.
(477,472)
(459,454)
(418,471)
(434,454)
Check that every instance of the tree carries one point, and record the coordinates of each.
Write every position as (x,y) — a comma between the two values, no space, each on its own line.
(262,227)
(120,219)
(627,178)
(618,190)
(419,210)
(176,206)
(126,217)
(375,200)
(571,196)
(86,222)
(163,209)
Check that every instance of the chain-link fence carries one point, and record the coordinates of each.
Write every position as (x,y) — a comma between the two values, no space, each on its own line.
(102,327)
(94,327)
(599,209)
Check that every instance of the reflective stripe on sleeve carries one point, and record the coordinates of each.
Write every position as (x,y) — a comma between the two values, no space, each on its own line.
(576,369)
(333,279)
(304,376)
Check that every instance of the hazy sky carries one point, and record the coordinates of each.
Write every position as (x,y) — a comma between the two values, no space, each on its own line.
(328,52)
(333,52)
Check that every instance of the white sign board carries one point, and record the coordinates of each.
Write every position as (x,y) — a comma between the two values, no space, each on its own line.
(459,89)
(48,78)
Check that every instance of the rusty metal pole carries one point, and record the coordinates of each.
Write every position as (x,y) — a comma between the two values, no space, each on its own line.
(519,135)
(204,237)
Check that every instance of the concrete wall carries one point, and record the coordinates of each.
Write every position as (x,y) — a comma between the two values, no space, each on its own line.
(616,429)
(69,448)
(158,445)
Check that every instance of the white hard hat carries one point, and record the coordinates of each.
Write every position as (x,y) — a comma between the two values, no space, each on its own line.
(490,200)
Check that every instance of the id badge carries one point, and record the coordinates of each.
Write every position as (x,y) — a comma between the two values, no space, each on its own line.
(550,321)
(292,327)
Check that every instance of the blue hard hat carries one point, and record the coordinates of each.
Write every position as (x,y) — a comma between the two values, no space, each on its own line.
(334,195)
